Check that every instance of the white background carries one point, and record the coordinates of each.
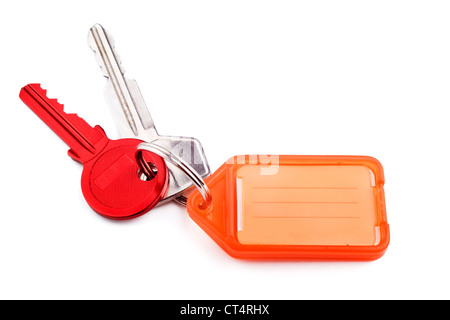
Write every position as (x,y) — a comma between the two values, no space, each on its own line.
(244,77)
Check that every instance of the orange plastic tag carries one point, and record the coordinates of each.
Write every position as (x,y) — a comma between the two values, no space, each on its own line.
(296,207)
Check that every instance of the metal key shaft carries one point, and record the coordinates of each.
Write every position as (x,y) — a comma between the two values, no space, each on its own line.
(134,120)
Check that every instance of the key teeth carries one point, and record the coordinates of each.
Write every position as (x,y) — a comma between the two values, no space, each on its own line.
(110,38)
(56,102)
(112,42)
(53,101)
(37,87)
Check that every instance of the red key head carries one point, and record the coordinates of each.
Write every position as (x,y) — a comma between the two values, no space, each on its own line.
(112,185)
(110,182)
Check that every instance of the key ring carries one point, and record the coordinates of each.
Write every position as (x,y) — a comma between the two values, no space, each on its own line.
(179,163)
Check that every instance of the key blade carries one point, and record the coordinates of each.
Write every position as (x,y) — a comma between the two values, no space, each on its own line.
(141,107)
(100,41)
(127,104)
(149,132)
(84,141)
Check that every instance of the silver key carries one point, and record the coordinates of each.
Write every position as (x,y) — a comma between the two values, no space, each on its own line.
(134,121)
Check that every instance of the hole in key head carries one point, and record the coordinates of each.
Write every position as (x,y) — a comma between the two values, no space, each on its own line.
(147,171)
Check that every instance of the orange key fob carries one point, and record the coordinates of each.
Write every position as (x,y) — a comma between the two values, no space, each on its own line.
(296,207)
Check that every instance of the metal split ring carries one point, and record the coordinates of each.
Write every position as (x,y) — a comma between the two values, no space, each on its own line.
(179,163)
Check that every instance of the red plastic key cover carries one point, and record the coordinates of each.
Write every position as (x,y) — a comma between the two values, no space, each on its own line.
(297,207)
(111,185)
(110,180)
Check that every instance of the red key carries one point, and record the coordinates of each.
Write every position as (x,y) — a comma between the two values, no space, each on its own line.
(110,180)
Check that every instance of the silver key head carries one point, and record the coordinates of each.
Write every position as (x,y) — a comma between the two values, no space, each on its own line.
(191,151)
